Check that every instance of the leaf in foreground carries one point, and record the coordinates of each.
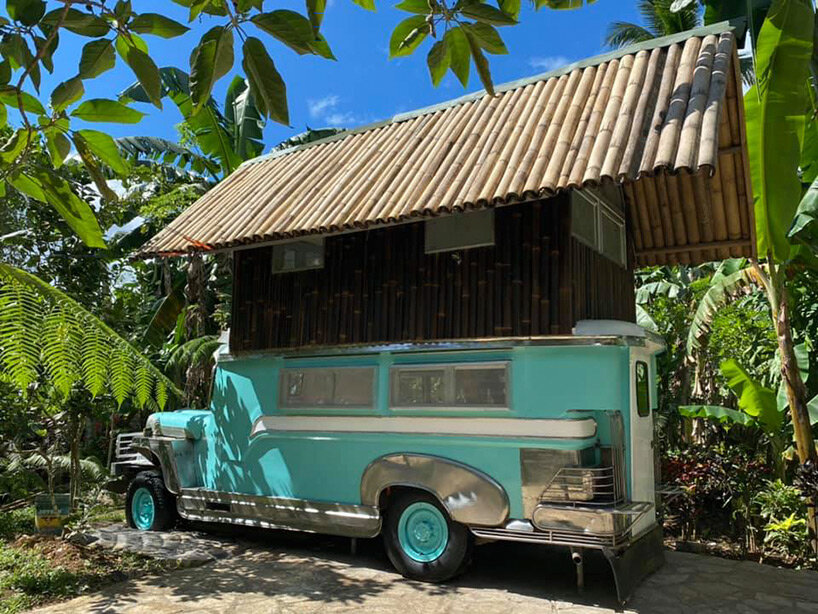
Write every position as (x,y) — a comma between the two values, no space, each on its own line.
(44,329)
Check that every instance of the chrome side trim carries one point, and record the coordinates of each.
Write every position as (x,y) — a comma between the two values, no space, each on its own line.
(443,345)
(279,513)
(568,428)
(470,496)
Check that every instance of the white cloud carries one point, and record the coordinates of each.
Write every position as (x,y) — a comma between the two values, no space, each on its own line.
(318,108)
(341,119)
(327,111)
(548,63)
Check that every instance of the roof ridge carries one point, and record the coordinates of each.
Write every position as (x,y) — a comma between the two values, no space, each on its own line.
(654,43)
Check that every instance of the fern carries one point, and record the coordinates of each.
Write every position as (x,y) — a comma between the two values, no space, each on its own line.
(43,330)
(94,360)
(20,315)
(120,377)
(161,393)
(143,384)
(61,337)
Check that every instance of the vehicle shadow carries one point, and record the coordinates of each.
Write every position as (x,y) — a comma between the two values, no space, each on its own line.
(317,569)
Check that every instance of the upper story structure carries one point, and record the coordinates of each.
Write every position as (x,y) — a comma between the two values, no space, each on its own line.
(513,215)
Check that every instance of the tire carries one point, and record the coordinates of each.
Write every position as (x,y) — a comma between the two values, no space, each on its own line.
(149,506)
(422,541)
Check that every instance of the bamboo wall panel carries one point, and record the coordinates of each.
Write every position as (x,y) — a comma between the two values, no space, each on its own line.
(664,119)
(380,286)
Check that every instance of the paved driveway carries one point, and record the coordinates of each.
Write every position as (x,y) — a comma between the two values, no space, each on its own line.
(286,573)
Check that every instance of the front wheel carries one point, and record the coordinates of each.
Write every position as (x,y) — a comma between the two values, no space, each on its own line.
(149,506)
(421,540)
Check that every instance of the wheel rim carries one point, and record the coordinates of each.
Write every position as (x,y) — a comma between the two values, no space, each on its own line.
(143,509)
(423,532)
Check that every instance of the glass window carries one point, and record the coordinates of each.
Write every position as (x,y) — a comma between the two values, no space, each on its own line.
(323,387)
(419,387)
(583,219)
(478,385)
(596,224)
(298,256)
(460,231)
(642,389)
(612,236)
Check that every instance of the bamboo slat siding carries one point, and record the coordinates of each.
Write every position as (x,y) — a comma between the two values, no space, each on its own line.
(380,286)
(665,121)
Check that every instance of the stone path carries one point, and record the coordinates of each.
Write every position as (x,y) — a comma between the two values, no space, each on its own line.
(301,574)
(186,548)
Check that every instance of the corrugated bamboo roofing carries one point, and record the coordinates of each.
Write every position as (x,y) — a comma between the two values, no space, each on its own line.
(664,119)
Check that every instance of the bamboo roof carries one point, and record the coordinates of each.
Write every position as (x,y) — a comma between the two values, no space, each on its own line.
(664,119)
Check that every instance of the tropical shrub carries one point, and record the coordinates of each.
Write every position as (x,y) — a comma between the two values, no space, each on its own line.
(783,514)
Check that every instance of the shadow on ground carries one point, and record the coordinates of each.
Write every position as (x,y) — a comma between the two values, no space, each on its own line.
(296,567)
(273,571)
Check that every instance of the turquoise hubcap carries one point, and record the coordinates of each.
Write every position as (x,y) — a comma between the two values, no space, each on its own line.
(142,509)
(423,532)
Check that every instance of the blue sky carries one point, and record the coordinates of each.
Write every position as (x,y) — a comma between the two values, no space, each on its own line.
(363,85)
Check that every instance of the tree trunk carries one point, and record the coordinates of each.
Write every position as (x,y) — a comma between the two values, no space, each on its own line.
(195,320)
(76,474)
(794,387)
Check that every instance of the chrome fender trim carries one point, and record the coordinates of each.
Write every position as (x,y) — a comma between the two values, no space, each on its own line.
(470,496)
(161,448)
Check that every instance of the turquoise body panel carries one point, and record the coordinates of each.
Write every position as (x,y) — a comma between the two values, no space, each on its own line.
(545,382)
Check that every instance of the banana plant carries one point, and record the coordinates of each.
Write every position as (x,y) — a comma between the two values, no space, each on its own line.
(225,137)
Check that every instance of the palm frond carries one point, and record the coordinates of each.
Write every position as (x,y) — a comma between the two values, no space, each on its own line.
(197,351)
(658,21)
(42,329)
(166,152)
(622,33)
(748,70)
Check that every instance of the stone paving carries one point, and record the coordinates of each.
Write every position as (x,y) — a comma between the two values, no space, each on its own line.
(185,548)
(301,574)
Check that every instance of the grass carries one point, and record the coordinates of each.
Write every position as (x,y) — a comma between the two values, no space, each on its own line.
(37,569)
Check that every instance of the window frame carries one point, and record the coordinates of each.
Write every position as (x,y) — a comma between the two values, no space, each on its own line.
(283,404)
(640,411)
(599,208)
(447,222)
(318,242)
(449,369)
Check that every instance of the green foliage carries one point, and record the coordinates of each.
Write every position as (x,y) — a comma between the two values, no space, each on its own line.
(804,227)
(16,522)
(754,399)
(661,18)
(776,115)
(30,576)
(783,513)
(79,343)
(467,34)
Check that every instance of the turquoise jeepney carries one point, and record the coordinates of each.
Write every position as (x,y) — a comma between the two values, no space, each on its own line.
(433,446)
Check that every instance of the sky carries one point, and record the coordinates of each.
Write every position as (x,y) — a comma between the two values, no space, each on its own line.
(363,85)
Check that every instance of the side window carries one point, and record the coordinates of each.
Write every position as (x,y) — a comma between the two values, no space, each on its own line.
(642,384)
(480,386)
(418,387)
(473,385)
(327,387)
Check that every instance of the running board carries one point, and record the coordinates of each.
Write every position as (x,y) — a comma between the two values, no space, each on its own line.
(279,513)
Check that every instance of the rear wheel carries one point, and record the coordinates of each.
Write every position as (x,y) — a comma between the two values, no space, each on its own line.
(421,540)
(149,506)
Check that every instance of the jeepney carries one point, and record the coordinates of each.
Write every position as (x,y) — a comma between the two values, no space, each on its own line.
(432,332)
(544,440)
